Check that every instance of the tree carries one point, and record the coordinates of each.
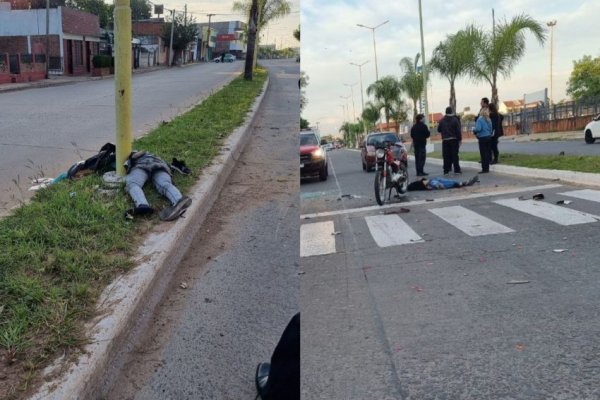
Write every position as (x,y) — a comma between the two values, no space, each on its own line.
(370,114)
(304,124)
(411,81)
(37,4)
(454,57)
(183,34)
(303,83)
(399,112)
(268,10)
(386,92)
(297,33)
(96,7)
(140,9)
(346,130)
(252,45)
(584,82)
(499,51)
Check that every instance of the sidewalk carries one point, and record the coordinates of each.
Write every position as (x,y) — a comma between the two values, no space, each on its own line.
(60,80)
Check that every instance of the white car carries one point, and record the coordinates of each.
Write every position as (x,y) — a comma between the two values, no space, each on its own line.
(592,130)
(328,147)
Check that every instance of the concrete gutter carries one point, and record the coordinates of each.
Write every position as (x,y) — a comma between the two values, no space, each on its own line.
(126,305)
(580,178)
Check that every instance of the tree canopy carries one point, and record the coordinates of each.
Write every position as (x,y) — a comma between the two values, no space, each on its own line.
(386,92)
(183,34)
(412,81)
(584,82)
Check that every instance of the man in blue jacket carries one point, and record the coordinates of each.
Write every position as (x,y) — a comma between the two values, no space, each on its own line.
(449,127)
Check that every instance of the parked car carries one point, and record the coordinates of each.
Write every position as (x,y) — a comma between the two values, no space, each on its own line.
(227,58)
(313,159)
(328,147)
(592,130)
(373,141)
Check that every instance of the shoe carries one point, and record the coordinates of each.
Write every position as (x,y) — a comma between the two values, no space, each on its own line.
(179,166)
(142,209)
(262,377)
(175,211)
(483,172)
(472,181)
(494,162)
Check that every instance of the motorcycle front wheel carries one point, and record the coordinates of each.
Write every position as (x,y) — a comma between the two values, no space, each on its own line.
(380,187)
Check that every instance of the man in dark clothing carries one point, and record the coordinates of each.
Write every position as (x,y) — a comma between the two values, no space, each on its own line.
(449,127)
(419,134)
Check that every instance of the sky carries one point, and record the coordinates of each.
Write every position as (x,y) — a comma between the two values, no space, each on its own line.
(279,32)
(331,40)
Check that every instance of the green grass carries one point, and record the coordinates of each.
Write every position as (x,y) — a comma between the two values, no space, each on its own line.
(567,162)
(60,250)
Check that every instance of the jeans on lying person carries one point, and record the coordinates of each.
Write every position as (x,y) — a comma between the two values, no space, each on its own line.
(137,177)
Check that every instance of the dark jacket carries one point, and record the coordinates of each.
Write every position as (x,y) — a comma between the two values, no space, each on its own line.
(497,128)
(419,133)
(449,127)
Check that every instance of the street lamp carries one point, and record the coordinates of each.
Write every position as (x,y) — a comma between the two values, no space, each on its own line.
(426,107)
(352,95)
(346,104)
(362,99)
(551,25)
(374,46)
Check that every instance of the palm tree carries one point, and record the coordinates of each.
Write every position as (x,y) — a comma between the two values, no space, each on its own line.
(498,52)
(268,10)
(386,91)
(399,113)
(412,81)
(345,129)
(370,114)
(454,57)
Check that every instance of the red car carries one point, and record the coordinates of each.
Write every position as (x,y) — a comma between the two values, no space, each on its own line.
(313,159)
(372,142)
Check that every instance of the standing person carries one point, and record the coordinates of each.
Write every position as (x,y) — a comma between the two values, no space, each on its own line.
(497,131)
(484,104)
(483,130)
(449,127)
(419,134)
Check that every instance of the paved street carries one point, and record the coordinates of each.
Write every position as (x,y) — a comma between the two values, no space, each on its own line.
(472,294)
(241,271)
(45,131)
(570,147)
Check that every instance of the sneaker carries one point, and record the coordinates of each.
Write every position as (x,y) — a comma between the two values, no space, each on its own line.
(175,211)
(142,209)
(179,166)
(262,377)
(472,181)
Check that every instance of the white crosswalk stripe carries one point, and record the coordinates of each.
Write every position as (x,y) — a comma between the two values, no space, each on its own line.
(560,215)
(469,221)
(317,239)
(391,230)
(585,194)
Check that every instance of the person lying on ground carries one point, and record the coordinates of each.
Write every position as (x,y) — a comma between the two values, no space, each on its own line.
(142,166)
(440,183)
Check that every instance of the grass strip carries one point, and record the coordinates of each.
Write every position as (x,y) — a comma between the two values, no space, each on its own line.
(565,163)
(61,250)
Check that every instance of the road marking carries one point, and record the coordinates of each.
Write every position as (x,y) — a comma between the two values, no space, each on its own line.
(391,230)
(317,239)
(560,215)
(585,194)
(469,221)
(437,201)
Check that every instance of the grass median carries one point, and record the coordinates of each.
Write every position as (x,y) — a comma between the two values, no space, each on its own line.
(566,162)
(61,250)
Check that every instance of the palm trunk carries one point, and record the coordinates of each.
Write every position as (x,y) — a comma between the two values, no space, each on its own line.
(452,97)
(252,41)
(494,91)
(414,111)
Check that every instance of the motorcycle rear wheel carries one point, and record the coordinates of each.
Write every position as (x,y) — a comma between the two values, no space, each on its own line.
(380,187)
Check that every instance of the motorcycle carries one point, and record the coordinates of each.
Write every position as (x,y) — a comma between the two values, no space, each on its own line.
(391,171)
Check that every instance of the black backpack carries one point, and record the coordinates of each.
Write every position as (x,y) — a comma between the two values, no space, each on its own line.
(100,162)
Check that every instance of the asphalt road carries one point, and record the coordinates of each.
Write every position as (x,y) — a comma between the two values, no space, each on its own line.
(241,272)
(44,131)
(418,305)
(570,147)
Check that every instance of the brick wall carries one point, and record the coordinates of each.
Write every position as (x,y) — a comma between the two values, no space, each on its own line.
(80,23)
(39,42)
(13,44)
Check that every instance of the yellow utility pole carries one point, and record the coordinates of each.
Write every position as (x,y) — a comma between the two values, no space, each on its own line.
(122,17)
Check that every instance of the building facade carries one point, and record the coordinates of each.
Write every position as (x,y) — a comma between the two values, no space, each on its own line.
(226,37)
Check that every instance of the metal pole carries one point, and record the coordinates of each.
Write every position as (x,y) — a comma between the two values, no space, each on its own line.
(171,42)
(122,17)
(374,45)
(424,68)
(208,38)
(47,39)
(551,24)
(352,95)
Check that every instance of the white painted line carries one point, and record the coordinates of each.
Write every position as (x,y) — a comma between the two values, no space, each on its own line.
(317,239)
(470,222)
(560,215)
(391,230)
(585,194)
(437,201)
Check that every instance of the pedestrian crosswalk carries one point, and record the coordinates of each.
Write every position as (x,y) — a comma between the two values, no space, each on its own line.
(318,238)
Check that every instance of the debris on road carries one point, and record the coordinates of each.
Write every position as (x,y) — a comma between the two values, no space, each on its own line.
(517,282)
(336,233)
(417,288)
(520,347)
(538,196)
(566,202)
(183,285)
(428,199)
(402,210)
(559,250)
(301,272)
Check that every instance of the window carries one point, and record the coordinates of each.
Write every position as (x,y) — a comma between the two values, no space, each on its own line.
(78,51)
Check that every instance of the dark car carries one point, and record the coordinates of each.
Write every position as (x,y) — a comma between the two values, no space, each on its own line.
(374,141)
(313,159)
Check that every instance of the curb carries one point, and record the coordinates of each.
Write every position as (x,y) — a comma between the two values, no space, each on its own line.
(126,305)
(580,178)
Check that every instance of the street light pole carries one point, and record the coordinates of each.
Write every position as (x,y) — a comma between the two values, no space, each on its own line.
(372,28)
(426,108)
(551,24)
(352,95)
(362,99)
